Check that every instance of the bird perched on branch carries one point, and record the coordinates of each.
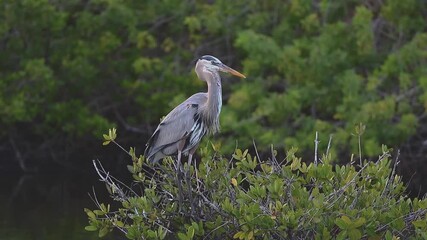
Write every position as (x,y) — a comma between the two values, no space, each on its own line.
(181,131)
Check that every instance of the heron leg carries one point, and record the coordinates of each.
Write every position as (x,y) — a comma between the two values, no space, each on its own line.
(188,177)
(179,172)
(189,185)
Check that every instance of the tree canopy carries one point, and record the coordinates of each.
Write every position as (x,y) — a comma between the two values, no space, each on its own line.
(70,70)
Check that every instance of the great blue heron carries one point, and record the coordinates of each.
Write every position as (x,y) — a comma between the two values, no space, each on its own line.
(181,131)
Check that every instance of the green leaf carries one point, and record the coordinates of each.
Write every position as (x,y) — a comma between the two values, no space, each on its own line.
(151,234)
(182,236)
(354,234)
(347,220)
(359,222)
(239,235)
(161,232)
(103,232)
(91,228)
(195,226)
(103,208)
(106,137)
(190,232)
(341,223)
(99,212)
(420,223)
(250,235)
(326,234)
(234,182)
(111,134)
(90,213)
(119,223)
(342,235)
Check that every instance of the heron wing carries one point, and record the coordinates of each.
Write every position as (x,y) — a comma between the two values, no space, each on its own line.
(173,128)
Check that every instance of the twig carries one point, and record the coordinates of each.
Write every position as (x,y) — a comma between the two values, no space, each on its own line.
(212,205)
(213,230)
(19,157)
(343,188)
(329,144)
(122,148)
(316,144)
(360,149)
(125,124)
(406,217)
(276,165)
(256,150)
(392,174)
(109,180)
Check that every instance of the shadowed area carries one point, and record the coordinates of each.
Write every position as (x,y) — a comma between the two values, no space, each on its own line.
(47,206)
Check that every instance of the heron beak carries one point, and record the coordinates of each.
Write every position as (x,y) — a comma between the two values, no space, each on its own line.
(228,69)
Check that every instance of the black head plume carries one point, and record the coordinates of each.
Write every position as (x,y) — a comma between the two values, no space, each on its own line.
(212,59)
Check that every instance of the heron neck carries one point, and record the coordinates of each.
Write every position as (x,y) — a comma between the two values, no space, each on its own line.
(214,103)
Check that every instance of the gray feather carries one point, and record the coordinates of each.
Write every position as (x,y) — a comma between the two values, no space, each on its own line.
(174,127)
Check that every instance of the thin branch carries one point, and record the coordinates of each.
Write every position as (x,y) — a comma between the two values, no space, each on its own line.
(125,124)
(256,150)
(122,148)
(276,165)
(392,174)
(329,144)
(316,145)
(360,149)
(109,180)
(342,189)
(19,157)
(213,230)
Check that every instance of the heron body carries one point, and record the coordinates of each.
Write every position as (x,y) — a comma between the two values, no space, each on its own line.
(181,131)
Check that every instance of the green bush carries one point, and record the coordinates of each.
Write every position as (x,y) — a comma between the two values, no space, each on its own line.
(249,198)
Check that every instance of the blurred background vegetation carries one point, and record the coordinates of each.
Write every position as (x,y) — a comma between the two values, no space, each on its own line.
(71,69)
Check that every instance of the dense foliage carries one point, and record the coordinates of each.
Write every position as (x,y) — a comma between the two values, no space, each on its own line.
(248,198)
(69,69)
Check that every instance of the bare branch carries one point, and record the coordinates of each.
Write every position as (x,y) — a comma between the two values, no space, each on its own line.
(316,144)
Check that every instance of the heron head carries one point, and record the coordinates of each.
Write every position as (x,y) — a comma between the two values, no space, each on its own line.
(213,64)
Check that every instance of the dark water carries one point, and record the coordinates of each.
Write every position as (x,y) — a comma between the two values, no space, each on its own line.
(47,206)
